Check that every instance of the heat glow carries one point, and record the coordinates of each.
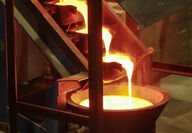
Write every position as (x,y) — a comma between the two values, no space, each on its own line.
(115,102)
(111,102)
(122,59)
(106,36)
(119,102)
(81,7)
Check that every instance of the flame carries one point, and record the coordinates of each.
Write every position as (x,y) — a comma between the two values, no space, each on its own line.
(81,7)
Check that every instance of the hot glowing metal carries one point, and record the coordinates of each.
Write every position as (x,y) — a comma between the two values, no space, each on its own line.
(119,102)
(117,57)
(115,102)
(81,7)
(110,101)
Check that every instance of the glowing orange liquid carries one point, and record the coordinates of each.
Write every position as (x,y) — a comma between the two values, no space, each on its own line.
(81,7)
(113,102)
(117,102)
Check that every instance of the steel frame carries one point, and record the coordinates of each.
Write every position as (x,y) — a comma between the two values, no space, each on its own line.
(11,77)
(95,65)
(172,68)
(95,74)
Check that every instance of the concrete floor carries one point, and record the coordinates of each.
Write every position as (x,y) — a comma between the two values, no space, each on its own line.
(177,116)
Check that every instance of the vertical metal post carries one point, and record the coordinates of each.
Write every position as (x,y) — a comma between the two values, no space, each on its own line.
(95,65)
(147,76)
(11,65)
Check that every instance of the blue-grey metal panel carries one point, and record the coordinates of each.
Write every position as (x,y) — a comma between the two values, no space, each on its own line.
(147,12)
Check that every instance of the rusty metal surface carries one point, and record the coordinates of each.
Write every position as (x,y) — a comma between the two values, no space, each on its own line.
(148,12)
(172,68)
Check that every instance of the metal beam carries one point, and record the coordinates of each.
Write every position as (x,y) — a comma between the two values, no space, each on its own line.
(33,109)
(172,68)
(95,65)
(11,64)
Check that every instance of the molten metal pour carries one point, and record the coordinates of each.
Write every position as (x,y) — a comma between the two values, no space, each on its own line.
(110,101)
(117,102)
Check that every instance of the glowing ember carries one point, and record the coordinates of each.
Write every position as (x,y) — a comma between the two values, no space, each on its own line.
(81,7)
(115,102)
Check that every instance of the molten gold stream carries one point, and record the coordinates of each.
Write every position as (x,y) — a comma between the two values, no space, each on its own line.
(111,102)
(119,102)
